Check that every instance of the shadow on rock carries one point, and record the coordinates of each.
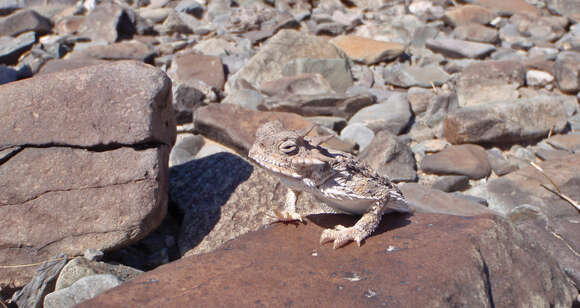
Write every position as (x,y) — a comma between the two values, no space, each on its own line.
(198,190)
(390,221)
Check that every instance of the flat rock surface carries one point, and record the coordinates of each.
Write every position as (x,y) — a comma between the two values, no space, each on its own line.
(367,50)
(466,159)
(488,81)
(29,120)
(285,265)
(509,121)
(458,48)
(283,47)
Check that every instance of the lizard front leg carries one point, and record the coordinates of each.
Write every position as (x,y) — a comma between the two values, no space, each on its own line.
(289,212)
(341,235)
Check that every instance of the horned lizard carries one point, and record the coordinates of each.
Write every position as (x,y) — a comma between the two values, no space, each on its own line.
(336,178)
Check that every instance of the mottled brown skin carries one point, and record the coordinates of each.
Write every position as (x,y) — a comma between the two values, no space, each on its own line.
(334,177)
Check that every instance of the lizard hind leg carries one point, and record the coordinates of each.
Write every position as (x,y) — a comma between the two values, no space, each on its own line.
(342,235)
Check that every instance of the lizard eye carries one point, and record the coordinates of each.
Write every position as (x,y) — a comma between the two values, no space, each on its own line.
(288,146)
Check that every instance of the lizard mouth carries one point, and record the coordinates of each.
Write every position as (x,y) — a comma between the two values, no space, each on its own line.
(273,165)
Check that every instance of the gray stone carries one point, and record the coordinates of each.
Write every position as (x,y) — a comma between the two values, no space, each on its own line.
(191,7)
(489,81)
(24,21)
(569,142)
(358,133)
(82,290)
(419,99)
(466,159)
(405,76)
(499,164)
(12,47)
(458,48)
(319,105)
(247,98)
(427,200)
(535,78)
(390,157)
(311,84)
(125,50)
(510,121)
(185,149)
(476,33)
(511,37)
(393,115)
(440,105)
(92,254)
(80,267)
(285,46)
(336,71)
(9,6)
(33,293)
(524,186)
(568,8)
(567,71)
(449,183)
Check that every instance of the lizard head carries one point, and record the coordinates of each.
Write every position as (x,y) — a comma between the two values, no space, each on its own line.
(286,152)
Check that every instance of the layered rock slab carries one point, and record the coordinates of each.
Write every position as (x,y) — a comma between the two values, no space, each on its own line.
(509,121)
(84,161)
(286,265)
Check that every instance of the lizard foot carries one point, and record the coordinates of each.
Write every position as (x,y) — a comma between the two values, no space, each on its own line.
(287,216)
(341,235)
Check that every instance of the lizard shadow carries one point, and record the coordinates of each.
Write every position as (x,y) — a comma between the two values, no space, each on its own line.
(197,191)
(390,221)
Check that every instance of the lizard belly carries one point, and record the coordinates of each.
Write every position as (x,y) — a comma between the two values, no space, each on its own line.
(345,203)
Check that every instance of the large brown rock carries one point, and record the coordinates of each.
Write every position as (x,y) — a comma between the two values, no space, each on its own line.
(279,50)
(90,109)
(465,159)
(567,71)
(467,14)
(84,161)
(215,122)
(489,81)
(24,21)
(108,22)
(425,260)
(367,51)
(509,121)
(558,228)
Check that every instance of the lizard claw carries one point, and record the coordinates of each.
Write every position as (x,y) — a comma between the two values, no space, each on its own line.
(341,235)
(287,216)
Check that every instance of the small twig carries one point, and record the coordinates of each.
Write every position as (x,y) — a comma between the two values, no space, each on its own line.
(557,191)
(434,88)
(545,175)
(551,128)
(558,236)
(32,264)
(561,195)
